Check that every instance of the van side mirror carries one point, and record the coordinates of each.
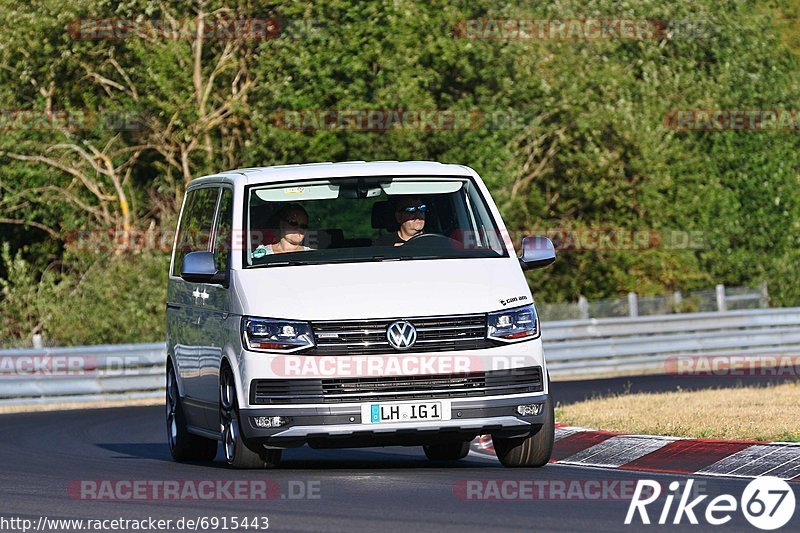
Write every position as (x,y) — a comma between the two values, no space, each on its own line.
(199,267)
(537,252)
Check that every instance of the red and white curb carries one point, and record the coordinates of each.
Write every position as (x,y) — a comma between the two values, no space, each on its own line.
(709,457)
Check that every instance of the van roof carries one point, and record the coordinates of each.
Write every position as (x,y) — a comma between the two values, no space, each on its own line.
(255,175)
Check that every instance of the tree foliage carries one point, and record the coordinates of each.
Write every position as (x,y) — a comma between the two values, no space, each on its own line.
(573,136)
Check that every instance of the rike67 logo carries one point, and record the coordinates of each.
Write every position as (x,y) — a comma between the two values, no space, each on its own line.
(767,503)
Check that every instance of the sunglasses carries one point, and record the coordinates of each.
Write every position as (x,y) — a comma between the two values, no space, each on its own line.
(422,209)
(296,224)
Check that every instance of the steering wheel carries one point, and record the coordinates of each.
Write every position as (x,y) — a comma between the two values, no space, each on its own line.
(431,239)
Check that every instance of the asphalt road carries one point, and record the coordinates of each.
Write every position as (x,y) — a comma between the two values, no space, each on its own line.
(44,456)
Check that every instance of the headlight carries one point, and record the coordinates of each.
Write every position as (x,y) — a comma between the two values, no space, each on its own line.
(513,325)
(272,335)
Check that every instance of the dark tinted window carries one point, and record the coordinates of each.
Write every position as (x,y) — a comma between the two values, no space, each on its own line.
(195,230)
(222,234)
(361,219)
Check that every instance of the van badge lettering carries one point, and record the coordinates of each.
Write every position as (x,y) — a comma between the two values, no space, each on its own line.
(401,335)
(197,295)
(512,300)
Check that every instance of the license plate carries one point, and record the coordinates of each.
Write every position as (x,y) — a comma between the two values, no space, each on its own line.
(381,413)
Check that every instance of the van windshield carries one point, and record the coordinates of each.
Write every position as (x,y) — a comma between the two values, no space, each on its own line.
(345,220)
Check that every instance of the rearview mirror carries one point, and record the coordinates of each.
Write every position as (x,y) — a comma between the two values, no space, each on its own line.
(198,267)
(537,252)
(358,192)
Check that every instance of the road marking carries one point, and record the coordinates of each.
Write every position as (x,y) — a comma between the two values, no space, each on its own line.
(779,460)
(578,442)
(686,456)
(564,432)
(577,446)
(618,451)
(484,455)
(790,470)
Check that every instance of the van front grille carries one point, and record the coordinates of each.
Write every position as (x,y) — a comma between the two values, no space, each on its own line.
(338,390)
(434,334)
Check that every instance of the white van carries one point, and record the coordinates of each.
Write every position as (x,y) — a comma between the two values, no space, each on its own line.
(352,304)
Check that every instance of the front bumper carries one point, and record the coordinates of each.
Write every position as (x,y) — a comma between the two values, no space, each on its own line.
(335,426)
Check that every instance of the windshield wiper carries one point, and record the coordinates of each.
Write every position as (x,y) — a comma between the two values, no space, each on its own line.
(369,259)
(377,259)
(412,257)
(282,263)
(383,258)
(318,262)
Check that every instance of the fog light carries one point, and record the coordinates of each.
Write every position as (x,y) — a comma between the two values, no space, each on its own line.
(529,410)
(269,421)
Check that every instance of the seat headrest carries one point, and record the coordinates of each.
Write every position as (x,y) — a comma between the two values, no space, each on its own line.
(382,216)
(324,238)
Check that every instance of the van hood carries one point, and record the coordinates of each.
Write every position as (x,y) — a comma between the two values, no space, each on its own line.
(387,289)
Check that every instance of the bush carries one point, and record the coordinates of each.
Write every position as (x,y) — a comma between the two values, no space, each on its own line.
(116,300)
(21,297)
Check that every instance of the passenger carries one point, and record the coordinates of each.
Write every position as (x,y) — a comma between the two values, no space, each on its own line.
(410,214)
(293,223)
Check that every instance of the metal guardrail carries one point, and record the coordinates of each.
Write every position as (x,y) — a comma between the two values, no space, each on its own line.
(611,344)
(82,373)
(86,373)
(721,299)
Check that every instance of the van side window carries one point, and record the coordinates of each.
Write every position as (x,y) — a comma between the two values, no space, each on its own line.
(222,234)
(194,234)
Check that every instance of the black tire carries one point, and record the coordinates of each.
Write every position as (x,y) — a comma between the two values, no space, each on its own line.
(183,446)
(447,450)
(533,451)
(237,453)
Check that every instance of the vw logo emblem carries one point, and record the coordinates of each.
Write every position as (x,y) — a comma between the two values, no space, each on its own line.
(401,335)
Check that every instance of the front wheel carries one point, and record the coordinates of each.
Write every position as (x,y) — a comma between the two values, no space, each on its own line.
(533,451)
(183,446)
(447,451)
(237,453)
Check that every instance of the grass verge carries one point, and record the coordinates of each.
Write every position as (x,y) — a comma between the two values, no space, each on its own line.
(767,413)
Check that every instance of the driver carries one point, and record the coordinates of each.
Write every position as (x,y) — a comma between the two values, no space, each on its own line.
(409,211)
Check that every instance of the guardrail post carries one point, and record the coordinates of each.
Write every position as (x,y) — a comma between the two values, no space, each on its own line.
(583,307)
(721,306)
(677,300)
(633,304)
(763,301)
